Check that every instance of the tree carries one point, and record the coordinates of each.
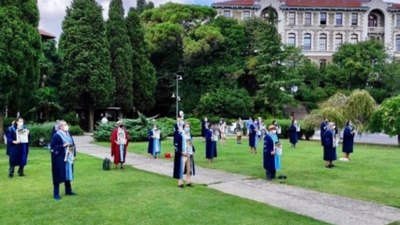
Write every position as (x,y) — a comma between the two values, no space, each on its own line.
(230,103)
(87,80)
(355,63)
(121,56)
(142,5)
(20,49)
(144,75)
(271,67)
(387,118)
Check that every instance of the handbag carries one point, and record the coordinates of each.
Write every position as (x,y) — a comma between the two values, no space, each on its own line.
(106,164)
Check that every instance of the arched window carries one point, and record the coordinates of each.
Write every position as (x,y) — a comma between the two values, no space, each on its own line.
(292,39)
(354,38)
(307,42)
(338,41)
(323,42)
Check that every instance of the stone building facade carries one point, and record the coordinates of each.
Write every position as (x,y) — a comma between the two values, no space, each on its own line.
(319,27)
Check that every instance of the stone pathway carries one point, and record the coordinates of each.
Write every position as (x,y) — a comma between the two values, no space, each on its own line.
(325,207)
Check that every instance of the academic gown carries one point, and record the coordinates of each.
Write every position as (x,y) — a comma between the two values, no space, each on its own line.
(252,135)
(18,153)
(115,151)
(58,165)
(322,128)
(329,148)
(268,159)
(293,134)
(178,154)
(152,143)
(348,140)
(210,145)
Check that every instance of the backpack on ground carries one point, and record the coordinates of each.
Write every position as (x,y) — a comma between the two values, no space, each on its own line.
(106,164)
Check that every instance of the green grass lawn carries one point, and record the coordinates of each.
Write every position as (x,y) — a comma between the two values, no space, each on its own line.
(126,196)
(373,174)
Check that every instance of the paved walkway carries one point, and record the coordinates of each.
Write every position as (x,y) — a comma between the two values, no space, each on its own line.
(325,207)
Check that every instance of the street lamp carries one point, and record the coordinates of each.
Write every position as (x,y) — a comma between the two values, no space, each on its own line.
(176,93)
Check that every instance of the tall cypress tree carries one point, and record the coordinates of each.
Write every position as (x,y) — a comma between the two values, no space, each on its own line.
(121,55)
(20,49)
(87,80)
(144,74)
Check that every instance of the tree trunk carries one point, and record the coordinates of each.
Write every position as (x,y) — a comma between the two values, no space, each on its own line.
(91,118)
(1,128)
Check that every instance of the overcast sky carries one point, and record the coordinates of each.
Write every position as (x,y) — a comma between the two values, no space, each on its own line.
(52,12)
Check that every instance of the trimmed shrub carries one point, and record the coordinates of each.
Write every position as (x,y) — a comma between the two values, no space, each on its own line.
(40,134)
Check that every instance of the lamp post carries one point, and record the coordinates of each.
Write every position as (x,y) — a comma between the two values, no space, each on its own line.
(176,94)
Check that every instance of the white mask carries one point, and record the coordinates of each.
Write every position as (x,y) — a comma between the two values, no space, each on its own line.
(20,125)
(66,128)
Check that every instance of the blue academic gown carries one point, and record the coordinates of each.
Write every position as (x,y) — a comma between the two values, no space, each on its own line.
(293,134)
(252,135)
(18,153)
(322,128)
(268,159)
(177,141)
(329,149)
(348,140)
(211,150)
(58,166)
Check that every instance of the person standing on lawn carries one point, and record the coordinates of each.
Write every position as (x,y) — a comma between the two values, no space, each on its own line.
(252,138)
(269,153)
(17,147)
(348,140)
(154,148)
(322,129)
(293,133)
(211,145)
(62,145)
(119,143)
(329,146)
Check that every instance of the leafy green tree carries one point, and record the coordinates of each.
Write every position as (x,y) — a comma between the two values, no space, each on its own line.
(87,80)
(166,29)
(387,118)
(144,75)
(121,56)
(142,5)
(355,63)
(230,103)
(272,68)
(50,65)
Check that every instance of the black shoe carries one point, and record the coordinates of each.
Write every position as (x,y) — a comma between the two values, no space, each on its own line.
(57,197)
(189,185)
(21,174)
(71,193)
(10,175)
(329,167)
(180,186)
(332,165)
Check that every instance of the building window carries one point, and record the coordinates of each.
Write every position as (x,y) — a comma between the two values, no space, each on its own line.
(292,18)
(246,14)
(307,42)
(307,18)
(322,18)
(354,38)
(398,20)
(339,19)
(227,13)
(292,39)
(398,43)
(354,19)
(372,21)
(338,41)
(322,63)
(322,42)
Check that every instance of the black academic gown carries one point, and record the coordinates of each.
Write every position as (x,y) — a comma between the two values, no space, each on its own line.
(348,140)
(57,159)
(151,142)
(178,153)
(210,151)
(322,128)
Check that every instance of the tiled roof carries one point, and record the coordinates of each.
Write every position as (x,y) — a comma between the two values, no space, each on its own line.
(45,34)
(235,3)
(323,3)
